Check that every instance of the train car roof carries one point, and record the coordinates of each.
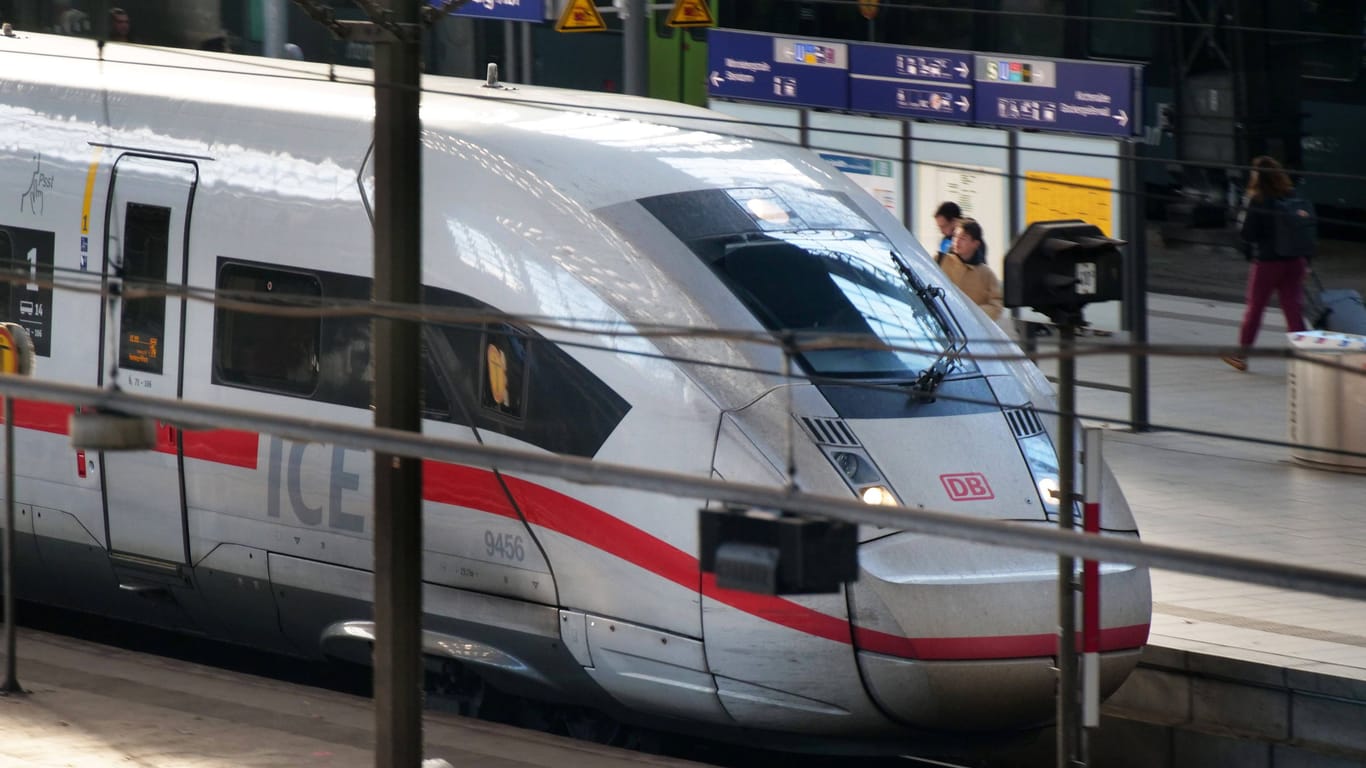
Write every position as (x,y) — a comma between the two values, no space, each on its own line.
(577,140)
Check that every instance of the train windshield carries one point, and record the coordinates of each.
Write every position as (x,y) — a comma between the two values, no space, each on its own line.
(839,294)
(807,263)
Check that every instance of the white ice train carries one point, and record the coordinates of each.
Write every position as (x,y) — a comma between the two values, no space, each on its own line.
(255,175)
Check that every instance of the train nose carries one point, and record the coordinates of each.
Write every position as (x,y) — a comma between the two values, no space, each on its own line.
(951,633)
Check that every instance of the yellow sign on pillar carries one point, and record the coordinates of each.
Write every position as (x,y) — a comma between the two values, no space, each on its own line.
(691,13)
(580,16)
(1053,196)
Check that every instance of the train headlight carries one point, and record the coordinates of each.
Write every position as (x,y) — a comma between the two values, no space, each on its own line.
(1043,467)
(1050,491)
(863,477)
(878,495)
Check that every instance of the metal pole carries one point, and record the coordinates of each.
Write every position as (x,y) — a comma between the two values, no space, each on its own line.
(633,16)
(1067,641)
(398,479)
(1022,329)
(11,646)
(509,74)
(1136,288)
(274,26)
(526,52)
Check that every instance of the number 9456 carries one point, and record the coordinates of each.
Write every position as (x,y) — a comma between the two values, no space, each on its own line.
(505,546)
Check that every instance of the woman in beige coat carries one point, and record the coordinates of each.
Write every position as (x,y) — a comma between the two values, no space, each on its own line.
(975,280)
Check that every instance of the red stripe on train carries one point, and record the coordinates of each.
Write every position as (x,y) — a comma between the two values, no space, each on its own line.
(221,446)
(479,489)
(1000,647)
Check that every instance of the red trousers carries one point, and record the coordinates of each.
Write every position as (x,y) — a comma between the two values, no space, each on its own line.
(1286,278)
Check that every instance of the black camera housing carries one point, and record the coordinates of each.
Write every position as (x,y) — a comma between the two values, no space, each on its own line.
(1058,267)
(776,553)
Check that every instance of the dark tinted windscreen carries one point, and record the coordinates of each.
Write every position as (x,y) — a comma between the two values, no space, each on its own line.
(836,288)
(854,316)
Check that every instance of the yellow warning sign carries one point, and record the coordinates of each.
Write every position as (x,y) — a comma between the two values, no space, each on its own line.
(580,16)
(1052,196)
(691,13)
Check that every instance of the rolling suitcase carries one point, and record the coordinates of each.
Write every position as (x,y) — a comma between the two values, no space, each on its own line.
(1338,309)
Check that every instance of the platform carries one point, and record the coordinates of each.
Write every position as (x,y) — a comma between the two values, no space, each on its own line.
(94,706)
(1234,674)
(1253,672)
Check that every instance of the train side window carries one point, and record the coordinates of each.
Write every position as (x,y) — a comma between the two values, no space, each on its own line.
(506,360)
(435,403)
(263,349)
(142,322)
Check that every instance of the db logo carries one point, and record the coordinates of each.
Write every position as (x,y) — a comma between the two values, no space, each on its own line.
(967,486)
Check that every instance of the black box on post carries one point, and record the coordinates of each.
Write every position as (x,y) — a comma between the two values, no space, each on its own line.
(775,553)
(1057,267)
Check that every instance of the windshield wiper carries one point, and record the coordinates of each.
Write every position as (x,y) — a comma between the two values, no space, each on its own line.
(929,379)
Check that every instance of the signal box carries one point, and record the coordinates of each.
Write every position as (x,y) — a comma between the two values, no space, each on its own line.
(1057,267)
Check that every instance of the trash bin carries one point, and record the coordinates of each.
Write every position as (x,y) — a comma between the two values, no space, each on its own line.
(1327,405)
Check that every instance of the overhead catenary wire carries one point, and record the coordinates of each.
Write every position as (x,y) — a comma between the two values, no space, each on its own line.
(264,69)
(1002,533)
(475,319)
(547,322)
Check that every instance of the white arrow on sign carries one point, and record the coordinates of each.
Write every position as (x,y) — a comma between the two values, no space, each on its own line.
(1122,118)
(716,79)
(963,103)
(962,69)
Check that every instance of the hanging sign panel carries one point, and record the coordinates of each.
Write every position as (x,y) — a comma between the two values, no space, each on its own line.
(911,82)
(794,71)
(1053,95)
(507,10)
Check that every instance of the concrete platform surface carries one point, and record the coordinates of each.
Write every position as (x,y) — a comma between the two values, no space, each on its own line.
(93,706)
(1234,674)
(1230,495)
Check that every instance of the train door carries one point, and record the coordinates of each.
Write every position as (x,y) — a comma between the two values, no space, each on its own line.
(147,223)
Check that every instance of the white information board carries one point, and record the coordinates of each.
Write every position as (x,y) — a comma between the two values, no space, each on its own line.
(968,166)
(869,150)
(879,178)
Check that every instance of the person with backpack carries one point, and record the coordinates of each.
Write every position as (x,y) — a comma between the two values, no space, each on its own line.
(1278,237)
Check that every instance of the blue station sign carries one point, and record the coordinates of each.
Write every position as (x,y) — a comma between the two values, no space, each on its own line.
(506,10)
(911,82)
(1057,95)
(793,71)
(1054,95)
